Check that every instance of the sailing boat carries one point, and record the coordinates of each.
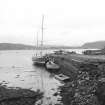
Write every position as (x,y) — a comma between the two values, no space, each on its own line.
(39,60)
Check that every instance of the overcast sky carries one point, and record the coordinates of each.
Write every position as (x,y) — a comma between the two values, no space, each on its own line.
(66,22)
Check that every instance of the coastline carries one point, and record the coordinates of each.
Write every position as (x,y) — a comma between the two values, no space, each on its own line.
(87,79)
(18,96)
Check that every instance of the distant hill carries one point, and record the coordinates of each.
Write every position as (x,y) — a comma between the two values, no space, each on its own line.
(97,44)
(13,46)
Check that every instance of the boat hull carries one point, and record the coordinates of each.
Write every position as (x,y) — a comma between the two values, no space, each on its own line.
(39,63)
(52,67)
(62,78)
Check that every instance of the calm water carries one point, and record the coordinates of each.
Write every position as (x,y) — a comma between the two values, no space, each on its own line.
(17,70)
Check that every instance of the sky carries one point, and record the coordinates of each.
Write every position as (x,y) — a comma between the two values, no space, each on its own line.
(66,22)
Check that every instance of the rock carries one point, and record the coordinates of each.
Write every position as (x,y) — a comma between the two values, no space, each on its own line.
(18,96)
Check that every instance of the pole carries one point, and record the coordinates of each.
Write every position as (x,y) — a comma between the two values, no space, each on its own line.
(42,34)
(37,40)
(37,45)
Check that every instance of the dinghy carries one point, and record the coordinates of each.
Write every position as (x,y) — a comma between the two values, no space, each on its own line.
(62,77)
(50,65)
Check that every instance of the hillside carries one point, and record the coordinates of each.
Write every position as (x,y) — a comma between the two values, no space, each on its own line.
(97,44)
(12,46)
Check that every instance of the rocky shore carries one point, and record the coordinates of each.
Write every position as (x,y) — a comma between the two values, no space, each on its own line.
(85,87)
(87,80)
(18,96)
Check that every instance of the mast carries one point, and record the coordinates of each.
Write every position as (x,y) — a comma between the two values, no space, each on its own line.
(37,39)
(42,34)
(37,44)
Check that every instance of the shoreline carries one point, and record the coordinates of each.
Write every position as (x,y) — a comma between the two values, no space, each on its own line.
(87,83)
(87,79)
(18,96)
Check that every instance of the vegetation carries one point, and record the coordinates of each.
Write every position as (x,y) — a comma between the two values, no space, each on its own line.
(97,45)
(18,96)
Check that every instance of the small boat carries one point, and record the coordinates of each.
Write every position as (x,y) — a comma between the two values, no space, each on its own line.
(62,77)
(50,65)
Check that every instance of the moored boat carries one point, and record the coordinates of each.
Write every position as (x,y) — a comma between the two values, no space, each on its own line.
(38,61)
(50,65)
(62,77)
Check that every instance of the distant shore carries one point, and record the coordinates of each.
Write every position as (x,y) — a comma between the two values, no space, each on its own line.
(15,46)
(18,46)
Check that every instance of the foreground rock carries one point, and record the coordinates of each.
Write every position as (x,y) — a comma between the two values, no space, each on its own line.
(18,96)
